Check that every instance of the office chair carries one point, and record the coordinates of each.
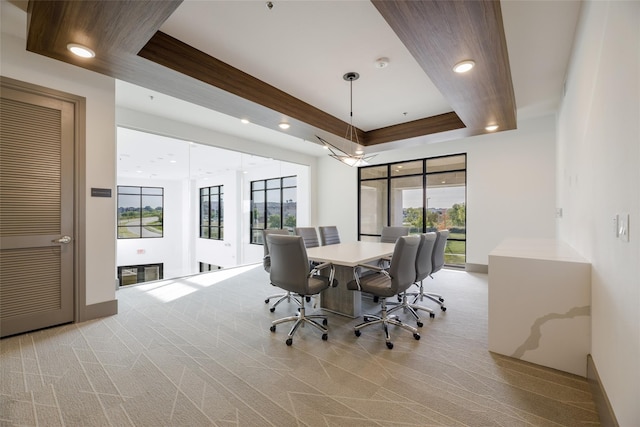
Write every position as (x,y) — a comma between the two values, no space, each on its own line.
(423,269)
(391,234)
(266,263)
(437,260)
(387,283)
(290,271)
(309,235)
(329,235)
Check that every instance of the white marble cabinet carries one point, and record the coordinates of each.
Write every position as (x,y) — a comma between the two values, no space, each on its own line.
(540,303)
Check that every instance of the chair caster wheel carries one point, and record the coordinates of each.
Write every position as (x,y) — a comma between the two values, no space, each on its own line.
(432,315)
(266,301)
(357,333)
(272,309)
(325,337)
(389,345)
(376,299)
(289,341)
(441,299)
(324,322)
(420,324)
(272,328)
(443,308)
(416,336)
(308,299)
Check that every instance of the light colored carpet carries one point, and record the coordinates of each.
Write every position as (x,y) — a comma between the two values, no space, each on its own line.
(197,351)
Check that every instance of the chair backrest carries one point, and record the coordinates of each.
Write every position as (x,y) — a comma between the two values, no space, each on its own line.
(289,263)
(309,235)
(424,261)
(438,250)
(403,263)
(329,235)
(266,259)
(391,234)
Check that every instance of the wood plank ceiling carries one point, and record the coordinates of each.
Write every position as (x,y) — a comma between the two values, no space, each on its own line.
(129,47)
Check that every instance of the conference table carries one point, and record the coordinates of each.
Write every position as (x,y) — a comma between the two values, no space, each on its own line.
(345,256)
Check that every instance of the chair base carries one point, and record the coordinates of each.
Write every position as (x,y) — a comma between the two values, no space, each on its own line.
(300,319)
(421,294)
(411,308)
(385,320)
(281,297)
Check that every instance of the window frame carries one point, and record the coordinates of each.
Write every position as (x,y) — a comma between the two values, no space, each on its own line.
(219,224)
(256,238)
(388,177)
(141,193)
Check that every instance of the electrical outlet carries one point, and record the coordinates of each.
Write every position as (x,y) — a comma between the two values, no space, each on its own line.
(623,227)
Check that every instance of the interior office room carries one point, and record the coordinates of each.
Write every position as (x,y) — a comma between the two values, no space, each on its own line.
(568,171)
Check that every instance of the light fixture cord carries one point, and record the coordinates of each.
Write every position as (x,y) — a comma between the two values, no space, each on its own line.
(351,131)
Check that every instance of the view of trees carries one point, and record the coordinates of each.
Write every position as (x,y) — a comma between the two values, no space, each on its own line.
(436,218)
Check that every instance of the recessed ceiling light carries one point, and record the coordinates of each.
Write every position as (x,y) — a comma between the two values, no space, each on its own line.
(491,128)
(284,125)
(464,66)
(81,51)
(245,121)
(172,161)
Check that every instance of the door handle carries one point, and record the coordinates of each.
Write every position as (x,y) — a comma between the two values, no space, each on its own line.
(63,239)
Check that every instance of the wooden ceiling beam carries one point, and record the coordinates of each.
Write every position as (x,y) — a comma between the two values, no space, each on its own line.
(130,48)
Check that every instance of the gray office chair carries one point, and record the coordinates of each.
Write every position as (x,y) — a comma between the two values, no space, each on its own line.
(290,271)
(266,263)
(391,234)
(423,269)
(437,261)
(309,235)
(329,235)
(388,283)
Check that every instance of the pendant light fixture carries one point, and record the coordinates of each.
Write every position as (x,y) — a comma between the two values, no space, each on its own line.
(359,158)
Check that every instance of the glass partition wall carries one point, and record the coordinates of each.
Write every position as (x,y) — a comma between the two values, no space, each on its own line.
(425,195)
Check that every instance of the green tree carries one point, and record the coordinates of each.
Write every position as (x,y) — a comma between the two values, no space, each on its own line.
(274,221)
(414,217)
(458,214)
(432,219)
(289,221)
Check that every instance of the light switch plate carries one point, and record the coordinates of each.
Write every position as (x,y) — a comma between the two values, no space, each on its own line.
(623,227)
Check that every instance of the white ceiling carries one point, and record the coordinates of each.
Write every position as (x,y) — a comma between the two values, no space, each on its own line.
(305,47)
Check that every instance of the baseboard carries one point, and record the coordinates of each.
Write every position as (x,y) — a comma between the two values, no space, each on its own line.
(476,268)
(101,309)
(605,411)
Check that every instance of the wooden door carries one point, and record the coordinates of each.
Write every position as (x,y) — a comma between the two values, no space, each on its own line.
(36,210)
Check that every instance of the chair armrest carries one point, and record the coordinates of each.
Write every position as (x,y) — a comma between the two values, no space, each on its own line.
(375,269)
(316,269)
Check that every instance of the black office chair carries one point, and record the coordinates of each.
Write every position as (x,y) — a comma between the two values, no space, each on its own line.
(423,269)
(388,283)
(437,261)
(329,235)
(266,263)
(290,271)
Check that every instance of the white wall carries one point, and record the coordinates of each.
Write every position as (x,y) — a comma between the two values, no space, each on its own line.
(599,177)
(510,185)
(99,92)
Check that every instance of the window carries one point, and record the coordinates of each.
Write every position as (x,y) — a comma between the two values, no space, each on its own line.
(273,205)
(425,195)
(211,218)
(140,212)
(132,274)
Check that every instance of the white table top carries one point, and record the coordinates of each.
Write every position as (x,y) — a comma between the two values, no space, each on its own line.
(537,248)
(350,254)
